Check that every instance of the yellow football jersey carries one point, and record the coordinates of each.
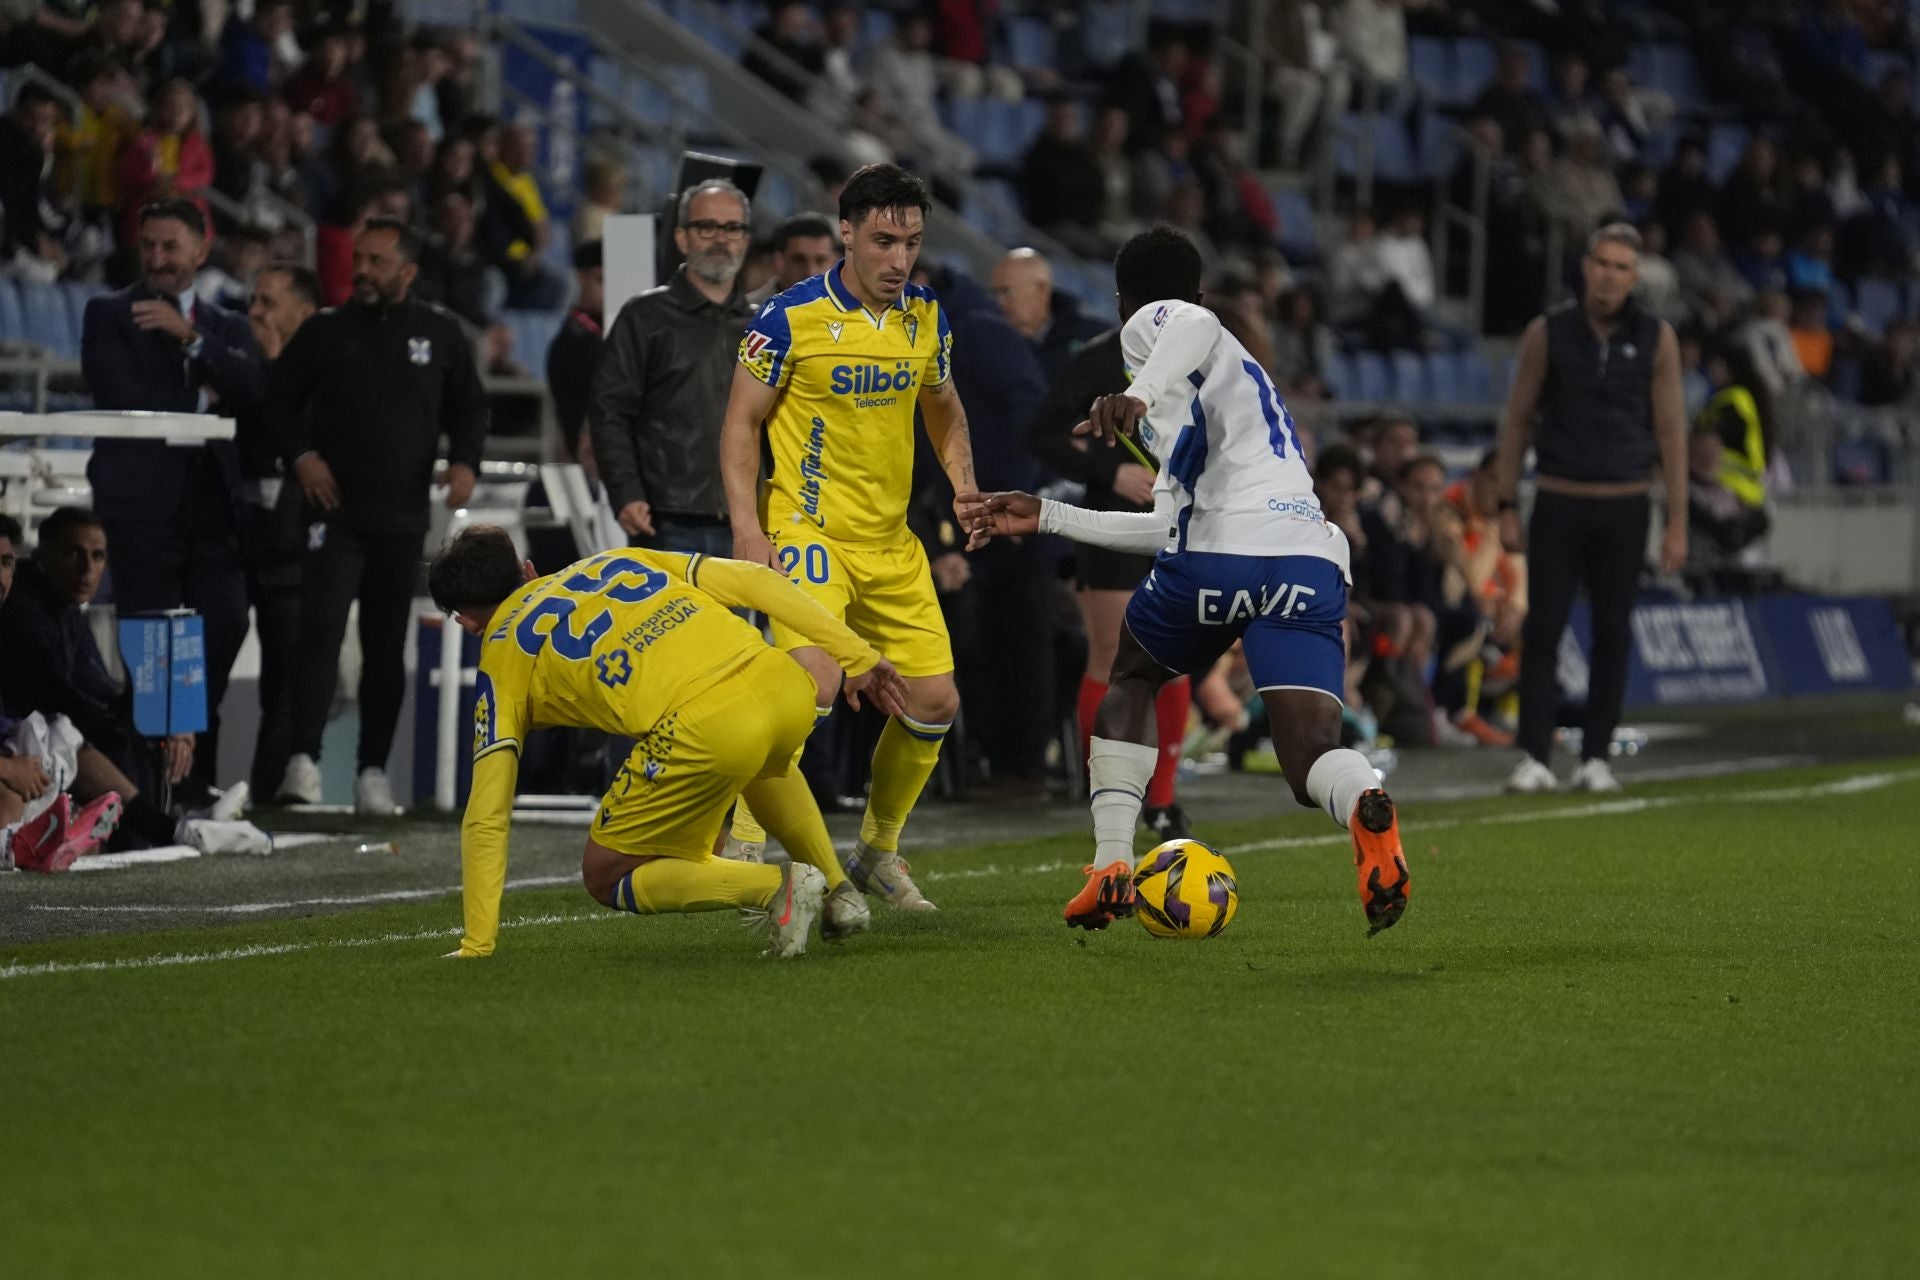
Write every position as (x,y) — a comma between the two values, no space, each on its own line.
(842,429)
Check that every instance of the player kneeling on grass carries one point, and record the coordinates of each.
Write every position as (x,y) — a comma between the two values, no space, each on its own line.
(641,644)
(1244,553)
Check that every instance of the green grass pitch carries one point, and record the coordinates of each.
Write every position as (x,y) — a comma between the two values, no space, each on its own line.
(1669,1034)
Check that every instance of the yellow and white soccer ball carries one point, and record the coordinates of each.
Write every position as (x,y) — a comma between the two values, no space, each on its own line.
(1184,889)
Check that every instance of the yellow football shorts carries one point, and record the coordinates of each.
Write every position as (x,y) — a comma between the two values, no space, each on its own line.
(884,594)
(675,788)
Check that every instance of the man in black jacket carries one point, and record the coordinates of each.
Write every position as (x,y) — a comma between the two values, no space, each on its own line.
(359,400)
(661,388)
(173,513)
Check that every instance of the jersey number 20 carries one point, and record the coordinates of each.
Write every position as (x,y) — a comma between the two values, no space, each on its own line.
(627,581)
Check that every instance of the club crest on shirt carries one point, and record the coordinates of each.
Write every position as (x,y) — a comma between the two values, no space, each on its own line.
(420,350)
(834,327)
(913,331)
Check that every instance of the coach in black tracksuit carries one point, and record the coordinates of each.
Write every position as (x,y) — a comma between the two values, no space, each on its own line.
(359,400)
(1602,378)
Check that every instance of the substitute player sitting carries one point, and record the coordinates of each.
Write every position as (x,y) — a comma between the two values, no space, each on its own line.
(1244,554)
(640,644)
(835,367)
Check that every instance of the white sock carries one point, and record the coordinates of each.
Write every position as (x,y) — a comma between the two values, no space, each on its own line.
(1117,775)
(1337,781)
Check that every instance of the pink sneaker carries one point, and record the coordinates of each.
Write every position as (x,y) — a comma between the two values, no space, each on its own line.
(99,819)
(47,844)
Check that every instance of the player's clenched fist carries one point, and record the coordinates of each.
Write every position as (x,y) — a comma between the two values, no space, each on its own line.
(998,515)
(1111,417)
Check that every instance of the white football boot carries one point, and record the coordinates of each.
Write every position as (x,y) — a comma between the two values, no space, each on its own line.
(1594,775)
(300,784)
(885,875)
(846,914)
(1530,777)
(795,906)
(373,794)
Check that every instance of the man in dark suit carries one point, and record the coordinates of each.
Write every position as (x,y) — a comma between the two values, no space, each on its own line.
(575,352)
(171,512)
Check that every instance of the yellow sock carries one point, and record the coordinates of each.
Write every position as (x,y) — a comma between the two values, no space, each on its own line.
(686,884)
(746,827)
(902,763)
(786,804)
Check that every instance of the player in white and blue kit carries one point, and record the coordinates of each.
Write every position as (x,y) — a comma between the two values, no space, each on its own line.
(1244,554)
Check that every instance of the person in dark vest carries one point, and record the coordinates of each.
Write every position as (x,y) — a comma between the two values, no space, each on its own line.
(1597,393)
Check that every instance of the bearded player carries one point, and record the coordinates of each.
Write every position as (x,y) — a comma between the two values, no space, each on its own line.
(1244,553)
(835,367)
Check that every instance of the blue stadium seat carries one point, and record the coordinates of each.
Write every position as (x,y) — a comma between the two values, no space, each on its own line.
(1445,383)
(1027,42)
(1106,31)
(876,25)
(1299,237)
(533,332)
(1674,73)
(1370,376)
(610,78)
(48,321)
(77,296)
(692,85)
(655,168)
(1474,62)
(1476,378)
(1876,302)
(1393,156)
(1725,144)
(1409,377)
(13,320)
(1430,63)
(1343,382)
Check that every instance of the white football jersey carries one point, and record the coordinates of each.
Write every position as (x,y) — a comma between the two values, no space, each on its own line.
(1232,477)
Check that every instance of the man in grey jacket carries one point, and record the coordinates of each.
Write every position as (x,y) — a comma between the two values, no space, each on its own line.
(661,386)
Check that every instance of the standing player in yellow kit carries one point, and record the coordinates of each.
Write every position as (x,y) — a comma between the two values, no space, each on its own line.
(835,368)
(640,644)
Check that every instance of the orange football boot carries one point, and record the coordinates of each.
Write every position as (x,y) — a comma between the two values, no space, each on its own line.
(1378,860)
(1107,896)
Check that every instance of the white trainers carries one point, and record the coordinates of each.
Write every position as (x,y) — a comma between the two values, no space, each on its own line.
(1594,775)
(1530,777)
(373,794)
(209,836)
(884,874)
(300,784)
(232,804)
(845,915)
(795,906)
(738,850)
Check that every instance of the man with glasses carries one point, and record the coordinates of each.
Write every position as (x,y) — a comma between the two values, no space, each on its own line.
(660,389)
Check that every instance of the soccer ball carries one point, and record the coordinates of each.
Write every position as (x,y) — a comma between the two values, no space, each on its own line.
(1184,889)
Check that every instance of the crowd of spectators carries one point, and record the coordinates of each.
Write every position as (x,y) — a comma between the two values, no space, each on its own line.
(329,112)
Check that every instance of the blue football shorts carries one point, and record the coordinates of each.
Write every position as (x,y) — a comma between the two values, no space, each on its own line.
(1285,610)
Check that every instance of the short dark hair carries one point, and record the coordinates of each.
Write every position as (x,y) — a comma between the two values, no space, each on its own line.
(11,531)
(66,521)
(405,238)
(882,186)
(32,92)
(801,226)
(1158,264)
(1420,460)
(88,67)
(184,212)
(477,568)
(1339,457)
(589,255)
(301,279)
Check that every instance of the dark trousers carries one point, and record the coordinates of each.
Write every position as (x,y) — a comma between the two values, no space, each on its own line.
(1014,590)
(378,570)
(1599,544)
(275,542)
(190,560)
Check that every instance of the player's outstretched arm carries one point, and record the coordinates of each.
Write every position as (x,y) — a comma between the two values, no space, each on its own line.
(748,404)
(1012,515)
(483,847)
(741,585)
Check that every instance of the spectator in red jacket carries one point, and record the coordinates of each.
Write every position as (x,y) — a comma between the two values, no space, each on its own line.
(324,87)
(169,158)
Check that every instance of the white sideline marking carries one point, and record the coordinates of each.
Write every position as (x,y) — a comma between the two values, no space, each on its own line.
(274,949)
(1638,804)
(254,908)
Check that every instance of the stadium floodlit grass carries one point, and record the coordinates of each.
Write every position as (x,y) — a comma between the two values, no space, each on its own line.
(1672,1033)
